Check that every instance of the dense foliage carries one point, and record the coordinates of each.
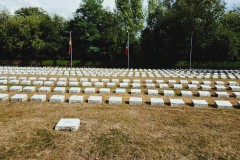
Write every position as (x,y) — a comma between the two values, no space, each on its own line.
(160,34)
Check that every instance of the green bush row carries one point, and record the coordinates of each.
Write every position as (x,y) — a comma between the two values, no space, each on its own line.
(210,64)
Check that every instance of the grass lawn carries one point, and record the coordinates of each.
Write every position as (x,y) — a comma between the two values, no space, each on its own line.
(111,132)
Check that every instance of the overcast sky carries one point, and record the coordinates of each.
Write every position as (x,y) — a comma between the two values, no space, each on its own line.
(66,8)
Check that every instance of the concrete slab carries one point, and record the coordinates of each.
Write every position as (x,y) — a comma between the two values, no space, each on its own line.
(163,86)
(123,85)
(200,103)
(150,85)
(204,93)
(74,90)
(59,90)
(73,84)
(206,87)
(98,84)
(38,98)
(104,90)
(153,92)
(37,83)
(236,94)
(135,101)
(76,99)
(115,100)
(220,88)
(29,89)
(177,86)
(61,83)
(57,98)
(3,88)
(15,89)
(192,86)
(156,101)
(71,124)
(136,91)
(120,91)
(168,93)
(4,97)
(44,89)
(176,102)
(19,97)
(111,84)
(222,94)
(25,82)
(95,100)
(223,104)
(234,88)
(186,93)
(89,90)
(86,84)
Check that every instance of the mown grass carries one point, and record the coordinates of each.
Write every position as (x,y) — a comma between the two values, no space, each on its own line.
(110,132)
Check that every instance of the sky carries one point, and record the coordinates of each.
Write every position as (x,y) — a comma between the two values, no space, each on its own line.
(66,8)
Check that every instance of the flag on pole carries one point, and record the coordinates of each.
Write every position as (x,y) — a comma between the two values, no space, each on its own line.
(126,49)
(70,44)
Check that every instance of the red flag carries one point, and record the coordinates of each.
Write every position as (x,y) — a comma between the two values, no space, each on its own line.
(126,49)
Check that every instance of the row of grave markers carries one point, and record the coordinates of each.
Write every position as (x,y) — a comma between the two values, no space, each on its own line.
(114,100)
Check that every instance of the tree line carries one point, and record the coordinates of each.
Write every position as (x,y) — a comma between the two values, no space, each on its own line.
(160,34)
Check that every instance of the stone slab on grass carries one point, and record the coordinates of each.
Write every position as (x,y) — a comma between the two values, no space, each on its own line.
(104,90)
(220,88)
(168,92)
(29,89)
(95,100)
(156,101)
(57,98)
(135,101)
(204,93)
(186,93)
(15,89)
(222,94)
(44,89)
(177,86)
(115,100)
(200,103)
(236,94)
(206,87)
(19,97)
(176,102)
(38,98)
(76,99)
(192,86)
(123,85)
(3,88)
(90,90)
(4,97)
(153,92)
(72,84)
(136,91)
(235,88)
(120,91)
(223,104)
(74,90)
(59,90)
(163,86)
(71,124)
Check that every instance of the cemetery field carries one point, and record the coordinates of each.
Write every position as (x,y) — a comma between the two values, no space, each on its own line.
(118,132)
(124,113)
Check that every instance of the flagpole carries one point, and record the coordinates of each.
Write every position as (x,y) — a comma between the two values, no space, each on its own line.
(71,47)
(191,52)
(128,50)
(128,38)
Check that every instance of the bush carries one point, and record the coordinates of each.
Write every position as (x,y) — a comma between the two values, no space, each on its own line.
(48,63)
